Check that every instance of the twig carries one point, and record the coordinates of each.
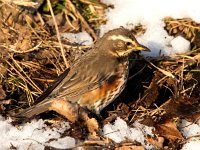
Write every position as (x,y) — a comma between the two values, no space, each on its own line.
(22,52)
(28,78)
(21,2)
(76,12)
(58,34)
(188,63)
(167,73)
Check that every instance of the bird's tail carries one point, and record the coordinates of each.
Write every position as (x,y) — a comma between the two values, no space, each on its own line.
(35,110)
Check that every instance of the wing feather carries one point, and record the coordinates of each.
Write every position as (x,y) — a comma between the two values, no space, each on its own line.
(86,75)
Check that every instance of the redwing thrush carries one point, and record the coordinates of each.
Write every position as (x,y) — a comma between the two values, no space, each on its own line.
(97,78)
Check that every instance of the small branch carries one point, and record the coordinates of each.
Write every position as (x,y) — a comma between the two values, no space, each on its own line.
(58,34)
(27,79)
(22,52)
(21,2)
(167,73)
(76,12)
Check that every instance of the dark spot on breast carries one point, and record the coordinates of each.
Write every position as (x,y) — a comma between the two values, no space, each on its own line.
(111,79)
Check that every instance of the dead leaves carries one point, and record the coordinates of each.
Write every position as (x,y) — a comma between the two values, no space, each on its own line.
(182,107)
(151,93)
(130,147)
(169,130)
(157,142)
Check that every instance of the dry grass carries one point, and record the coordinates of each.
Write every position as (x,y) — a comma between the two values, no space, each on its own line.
(33,55)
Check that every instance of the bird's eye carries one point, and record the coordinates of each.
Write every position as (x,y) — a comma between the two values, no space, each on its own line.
(128,43)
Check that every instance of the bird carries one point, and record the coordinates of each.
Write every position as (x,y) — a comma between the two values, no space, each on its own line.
(97,78)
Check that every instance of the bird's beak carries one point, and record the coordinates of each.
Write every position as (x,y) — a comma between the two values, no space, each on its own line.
(142,48)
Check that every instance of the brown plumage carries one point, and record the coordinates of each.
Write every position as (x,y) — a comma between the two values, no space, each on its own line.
(97,78)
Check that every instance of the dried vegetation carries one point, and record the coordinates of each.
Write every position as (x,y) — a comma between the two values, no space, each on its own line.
(160,91)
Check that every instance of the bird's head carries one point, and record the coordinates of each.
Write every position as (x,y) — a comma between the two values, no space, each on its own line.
(120,42)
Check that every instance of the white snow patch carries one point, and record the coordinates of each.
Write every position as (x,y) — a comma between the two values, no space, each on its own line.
(120,131)
(180,45)
(192,145)
(81,38)
(191,131)
(66,142)
(129,13)
(33,135)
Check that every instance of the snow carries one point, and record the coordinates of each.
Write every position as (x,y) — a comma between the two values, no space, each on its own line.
(150,13)
(192,132)
(33,135)
(192,145)
(180,48)
(189,129)
(80,38)
(37,135)
(120,131)
(66,142)
(127,13)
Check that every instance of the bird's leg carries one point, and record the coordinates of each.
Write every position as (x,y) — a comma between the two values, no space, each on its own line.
(65,108)
(91,123)
(73,112)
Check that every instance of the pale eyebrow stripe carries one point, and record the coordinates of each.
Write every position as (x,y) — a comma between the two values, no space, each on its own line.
(120,37)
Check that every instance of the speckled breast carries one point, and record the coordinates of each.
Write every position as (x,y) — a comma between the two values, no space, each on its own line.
(108,91)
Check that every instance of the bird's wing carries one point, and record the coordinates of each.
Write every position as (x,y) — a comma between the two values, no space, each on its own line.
(86,75)
(52,86)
